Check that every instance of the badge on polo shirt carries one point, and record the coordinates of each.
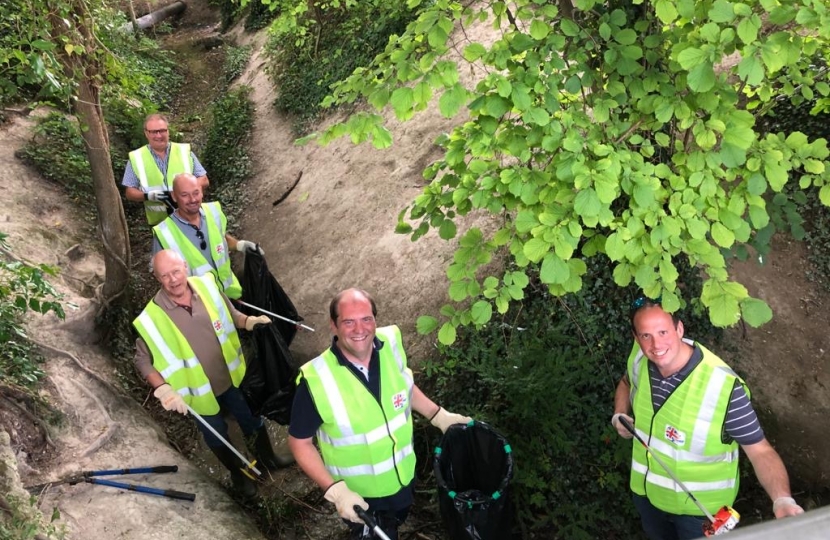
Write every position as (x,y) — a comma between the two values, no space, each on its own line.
(399,401)
(675,435)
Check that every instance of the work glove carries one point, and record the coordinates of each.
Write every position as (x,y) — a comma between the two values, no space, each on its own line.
(245,245)
(157,195)
(615,421)
(344,500)
(170,399)
(786,507)
(444,419)
(253,322)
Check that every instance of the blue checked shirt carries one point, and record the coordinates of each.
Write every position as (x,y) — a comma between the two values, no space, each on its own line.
(131,180)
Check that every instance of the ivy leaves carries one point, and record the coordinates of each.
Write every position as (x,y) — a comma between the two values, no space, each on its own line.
(604,135)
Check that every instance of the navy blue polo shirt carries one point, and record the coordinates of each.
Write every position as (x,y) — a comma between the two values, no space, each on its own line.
(305,420)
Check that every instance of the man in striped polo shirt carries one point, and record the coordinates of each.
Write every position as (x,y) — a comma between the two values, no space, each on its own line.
(694,412)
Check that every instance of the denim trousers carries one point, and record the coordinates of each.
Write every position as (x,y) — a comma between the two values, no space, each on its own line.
(231,401)
(660,525)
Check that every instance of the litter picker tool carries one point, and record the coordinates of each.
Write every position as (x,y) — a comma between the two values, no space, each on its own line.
(722,522)
(249,466)
(280,317)
(90,477)
(370,522)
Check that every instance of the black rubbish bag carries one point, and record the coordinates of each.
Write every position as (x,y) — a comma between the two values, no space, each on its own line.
(473,468)
(270,376)
(261,289)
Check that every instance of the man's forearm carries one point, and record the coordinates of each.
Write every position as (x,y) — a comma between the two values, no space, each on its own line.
(310,461)
(622,402)
(134,194)
(770,470)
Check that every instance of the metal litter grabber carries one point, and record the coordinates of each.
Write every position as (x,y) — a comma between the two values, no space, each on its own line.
(370,522)
(249,466)
(722,522)
(280,317)
(89,478)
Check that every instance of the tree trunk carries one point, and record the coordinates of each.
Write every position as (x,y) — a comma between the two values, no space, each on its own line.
(111,221)
(152,19)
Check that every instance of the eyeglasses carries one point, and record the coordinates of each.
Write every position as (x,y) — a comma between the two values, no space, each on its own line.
(642,301)
(201,236)
(156,131)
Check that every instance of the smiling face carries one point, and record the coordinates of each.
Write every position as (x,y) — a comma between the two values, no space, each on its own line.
(171,271)
(187,193)
(155,129)
(661,340)
(354,326)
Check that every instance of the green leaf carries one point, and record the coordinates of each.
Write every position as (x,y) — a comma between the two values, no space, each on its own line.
(539,29)
(452,100)
(426,324)
(568,27)
(755,312)
(615,247)
(447,230)
(748,29)
(473,52)
(824,194)
(722,236)
(587,203)
(691,57)
(447,334)
(626,36)
(525,221)
(751,70)
(481,312)
(666,11)
(722,12)
(701,78)
(724,311)
(554,270)
(535,248)
(402,100)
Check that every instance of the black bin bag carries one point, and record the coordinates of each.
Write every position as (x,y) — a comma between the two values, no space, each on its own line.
(270,375)
(473,467)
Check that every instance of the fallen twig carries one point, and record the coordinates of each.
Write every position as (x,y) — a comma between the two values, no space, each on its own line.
(79,363)
(288,192)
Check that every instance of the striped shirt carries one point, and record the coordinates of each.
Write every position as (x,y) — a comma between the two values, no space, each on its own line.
(741,424)
(131,180)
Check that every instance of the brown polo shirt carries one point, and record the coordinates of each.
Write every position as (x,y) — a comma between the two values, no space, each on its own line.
(197,328)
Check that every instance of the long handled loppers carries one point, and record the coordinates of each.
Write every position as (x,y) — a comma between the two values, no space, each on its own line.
(722,522)
(370,522)
(249,465)
(89,477)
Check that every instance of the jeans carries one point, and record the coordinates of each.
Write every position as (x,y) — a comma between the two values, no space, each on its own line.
(233,402)
(660,525)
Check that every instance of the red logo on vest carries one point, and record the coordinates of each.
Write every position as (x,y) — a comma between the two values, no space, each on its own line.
(220,248)
(217,325)
(674,435)
(399,400)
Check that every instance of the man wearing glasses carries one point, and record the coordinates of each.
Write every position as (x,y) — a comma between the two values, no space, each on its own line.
(357,398)
(150,170)
(693,411)
(198,232)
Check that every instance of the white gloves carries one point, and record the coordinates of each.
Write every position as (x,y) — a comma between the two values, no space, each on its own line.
(170,399)
(615,421)
(246,245)
(344,500)
(786,507)
(252,322)
(443,419)
(157,195)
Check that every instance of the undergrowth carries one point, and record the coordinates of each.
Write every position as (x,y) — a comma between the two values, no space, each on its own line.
(544,376)
(225,154)
(311,49)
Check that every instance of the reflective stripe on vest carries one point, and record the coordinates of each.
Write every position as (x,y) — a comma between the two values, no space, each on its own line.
(150,177)
(357,430)
(173,356)
(170,236)
(686,434)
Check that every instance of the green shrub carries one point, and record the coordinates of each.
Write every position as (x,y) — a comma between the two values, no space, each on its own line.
(23,288)
(260,14)
(311,50)
(58,152)
(236,58)
(22,521)
(225,153)
(545,377)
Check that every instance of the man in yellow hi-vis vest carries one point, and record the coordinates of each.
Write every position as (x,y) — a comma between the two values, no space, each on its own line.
(198,232)
(693,411)
(148,176)
(189,352)
(357,398)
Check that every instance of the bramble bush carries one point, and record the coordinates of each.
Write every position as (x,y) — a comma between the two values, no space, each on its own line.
(544,375)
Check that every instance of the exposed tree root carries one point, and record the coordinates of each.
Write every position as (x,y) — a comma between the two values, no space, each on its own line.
(79,363)
(112,426)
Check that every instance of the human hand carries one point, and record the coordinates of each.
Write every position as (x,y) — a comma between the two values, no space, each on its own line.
(443,419)
(253,322)
(786,507)
(170,399)
(158,195)
(621,429)
(345,500)
(245,245)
